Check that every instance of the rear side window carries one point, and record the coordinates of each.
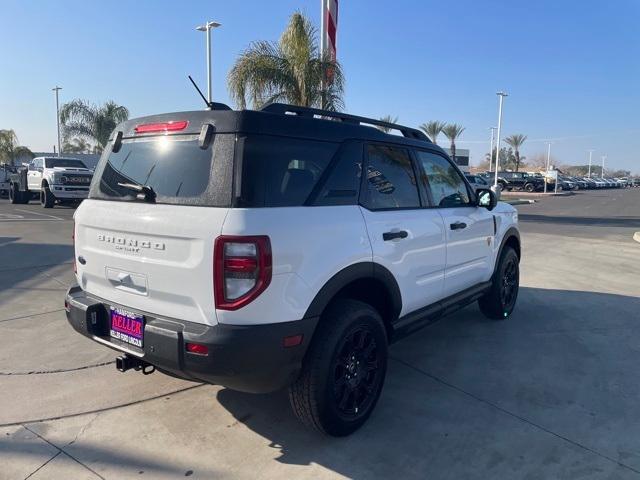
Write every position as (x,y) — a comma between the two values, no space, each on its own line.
(390,179)
(343,181)
(177,169)
(280,171)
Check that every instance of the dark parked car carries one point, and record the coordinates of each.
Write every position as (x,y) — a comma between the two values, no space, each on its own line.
(520,181)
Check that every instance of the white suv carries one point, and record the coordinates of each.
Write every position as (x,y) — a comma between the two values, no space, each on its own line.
(285,247)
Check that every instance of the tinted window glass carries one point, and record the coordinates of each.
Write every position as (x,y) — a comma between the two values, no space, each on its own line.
(390,179)
(343,183)
(176,168)
(280,171)
(64,162)
(447,187)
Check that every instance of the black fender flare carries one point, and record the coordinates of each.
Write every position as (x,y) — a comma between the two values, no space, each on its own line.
(356,271)
(512,232)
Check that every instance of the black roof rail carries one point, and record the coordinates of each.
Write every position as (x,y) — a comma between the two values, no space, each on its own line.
(308,112)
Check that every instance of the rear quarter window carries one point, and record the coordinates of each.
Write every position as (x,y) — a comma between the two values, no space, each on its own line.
(280,171)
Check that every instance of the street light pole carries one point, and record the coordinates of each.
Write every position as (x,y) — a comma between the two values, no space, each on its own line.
(493,131)
(546,170)
(590,155)
(501,95)
(604,157)
(57,89)
(207,28)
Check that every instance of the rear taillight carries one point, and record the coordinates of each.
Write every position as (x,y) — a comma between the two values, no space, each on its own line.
(241,271)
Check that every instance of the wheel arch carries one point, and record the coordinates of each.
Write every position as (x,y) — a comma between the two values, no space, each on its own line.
(511,238)
(365,281)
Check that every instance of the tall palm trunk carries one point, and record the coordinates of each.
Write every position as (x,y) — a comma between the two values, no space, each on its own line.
(453,151)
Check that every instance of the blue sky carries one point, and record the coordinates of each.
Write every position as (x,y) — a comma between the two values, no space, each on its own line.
(572,68)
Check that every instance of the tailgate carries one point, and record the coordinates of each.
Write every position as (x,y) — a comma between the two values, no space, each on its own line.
(151,257)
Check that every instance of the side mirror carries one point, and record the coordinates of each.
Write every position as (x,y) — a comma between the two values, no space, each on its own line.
(486,198)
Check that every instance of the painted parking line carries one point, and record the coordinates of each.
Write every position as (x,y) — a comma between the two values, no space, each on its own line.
(53,217)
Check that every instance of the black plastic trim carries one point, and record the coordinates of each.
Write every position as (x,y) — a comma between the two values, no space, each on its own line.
(248,358)
(350,274)
(413,321)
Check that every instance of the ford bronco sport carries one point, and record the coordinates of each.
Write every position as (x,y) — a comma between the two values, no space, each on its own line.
(286,247)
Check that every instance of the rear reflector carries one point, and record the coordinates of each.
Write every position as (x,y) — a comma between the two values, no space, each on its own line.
(197,349)
(173,126)
(292,341)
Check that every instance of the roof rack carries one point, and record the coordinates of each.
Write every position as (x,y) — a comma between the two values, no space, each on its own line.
(308,112)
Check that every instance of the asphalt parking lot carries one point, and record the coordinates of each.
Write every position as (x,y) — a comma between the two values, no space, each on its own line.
(550,393)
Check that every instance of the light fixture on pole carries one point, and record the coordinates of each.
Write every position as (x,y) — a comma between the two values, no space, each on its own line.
(546,170)
(501,96)
(590,155)
(57,89)
(207,28)
(493,131)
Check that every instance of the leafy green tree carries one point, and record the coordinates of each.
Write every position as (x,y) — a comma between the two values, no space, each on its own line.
(515,141)
(452,131)
(90,122)
(433,129)
(76,145)
(387,119)
(292,71)
(10,148)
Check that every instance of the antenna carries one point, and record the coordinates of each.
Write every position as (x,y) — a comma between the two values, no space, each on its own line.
(209,105)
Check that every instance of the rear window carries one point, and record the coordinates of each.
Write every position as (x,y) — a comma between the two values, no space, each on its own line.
(63,162)
(178,170)
(280,171)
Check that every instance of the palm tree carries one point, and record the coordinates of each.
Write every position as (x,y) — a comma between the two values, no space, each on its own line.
(387,119)
(76,145)
(432,129)
(453,131)
(91,122)
(292,71)
(516,142)
(10,150)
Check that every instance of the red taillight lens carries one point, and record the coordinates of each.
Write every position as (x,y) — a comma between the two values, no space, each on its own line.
(197,349)
(241,271)
(173,126)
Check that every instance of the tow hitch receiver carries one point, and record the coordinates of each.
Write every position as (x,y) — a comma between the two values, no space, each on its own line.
(126,362)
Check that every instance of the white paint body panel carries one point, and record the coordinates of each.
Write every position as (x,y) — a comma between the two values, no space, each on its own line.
(417,261)
(168,248)
(309,246)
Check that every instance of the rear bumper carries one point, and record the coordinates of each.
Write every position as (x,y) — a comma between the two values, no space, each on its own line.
(246,358)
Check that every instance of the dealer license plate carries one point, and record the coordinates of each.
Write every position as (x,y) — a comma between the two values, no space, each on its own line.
(127,326)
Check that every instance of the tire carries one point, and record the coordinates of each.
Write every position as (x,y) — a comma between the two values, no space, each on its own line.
(16,197)
(529,187)
(350,339)
(499,301)
(46,197)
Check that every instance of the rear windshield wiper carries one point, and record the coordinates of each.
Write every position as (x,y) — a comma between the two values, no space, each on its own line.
(148,193)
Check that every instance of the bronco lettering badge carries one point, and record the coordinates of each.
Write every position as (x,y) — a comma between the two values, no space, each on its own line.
(130,244)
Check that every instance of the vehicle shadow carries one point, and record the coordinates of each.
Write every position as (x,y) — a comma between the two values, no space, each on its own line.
(479,398)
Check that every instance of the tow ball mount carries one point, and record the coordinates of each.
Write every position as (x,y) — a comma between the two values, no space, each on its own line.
(126,362)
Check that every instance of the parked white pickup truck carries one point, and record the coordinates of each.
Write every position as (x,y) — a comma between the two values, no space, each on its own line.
(51,179)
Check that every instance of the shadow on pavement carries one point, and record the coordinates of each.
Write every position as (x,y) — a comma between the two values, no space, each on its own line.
(488,399)
(631,222)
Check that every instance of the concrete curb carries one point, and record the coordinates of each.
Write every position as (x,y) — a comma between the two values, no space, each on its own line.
(518,201)
(636,237)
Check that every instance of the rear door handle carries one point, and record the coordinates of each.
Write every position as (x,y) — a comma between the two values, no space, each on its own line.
(458,225)
(386,236)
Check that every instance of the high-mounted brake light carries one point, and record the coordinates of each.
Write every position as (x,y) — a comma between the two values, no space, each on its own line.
(173,126)
(241,271)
